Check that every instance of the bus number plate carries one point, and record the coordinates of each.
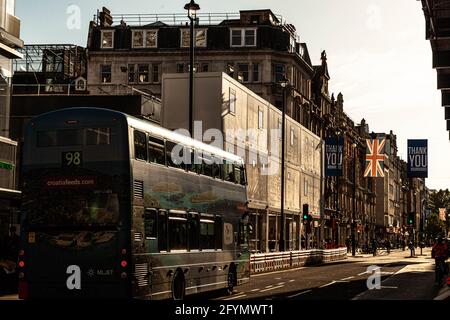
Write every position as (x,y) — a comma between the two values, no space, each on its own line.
(72,159)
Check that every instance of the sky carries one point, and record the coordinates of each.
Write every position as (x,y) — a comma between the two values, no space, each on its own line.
(378,56)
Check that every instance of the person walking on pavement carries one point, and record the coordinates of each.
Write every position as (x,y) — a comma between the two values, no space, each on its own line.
(412,248)
(388,246)
(374,247)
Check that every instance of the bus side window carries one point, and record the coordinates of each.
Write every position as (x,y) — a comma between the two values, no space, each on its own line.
(194,232)
(207,165)
(150,224)
(243,176)
(174,159)
(140,145)
(177,233)
(228,174)
(207,240)
(218,226)
(162,230)
(156,150)
(217,168)
(237,175)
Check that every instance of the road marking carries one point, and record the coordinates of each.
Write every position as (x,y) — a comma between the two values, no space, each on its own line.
(277,278)
(269,286)
(254,290)
(236,297)
(387,272)
(273,288)
(281,283)
(299,294)
(291,280)
(273,272)
(388,287)
(328,284)
(347,278)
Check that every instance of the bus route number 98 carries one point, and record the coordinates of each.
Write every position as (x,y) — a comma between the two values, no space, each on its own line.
(71,159)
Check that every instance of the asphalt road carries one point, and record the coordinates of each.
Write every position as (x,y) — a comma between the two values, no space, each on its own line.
(336,281)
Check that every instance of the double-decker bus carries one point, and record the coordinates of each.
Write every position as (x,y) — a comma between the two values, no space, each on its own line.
(110,211)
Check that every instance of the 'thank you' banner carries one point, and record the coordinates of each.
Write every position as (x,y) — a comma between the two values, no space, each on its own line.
(334,155)
(418,158)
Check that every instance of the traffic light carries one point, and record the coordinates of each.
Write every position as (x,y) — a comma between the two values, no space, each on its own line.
(410,218)
(305,212)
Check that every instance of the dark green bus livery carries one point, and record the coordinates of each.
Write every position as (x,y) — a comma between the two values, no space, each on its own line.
(109,212)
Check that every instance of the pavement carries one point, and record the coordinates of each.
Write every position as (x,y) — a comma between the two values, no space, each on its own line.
(415,281)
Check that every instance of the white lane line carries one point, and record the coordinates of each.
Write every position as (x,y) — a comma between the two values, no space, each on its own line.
(273,272)
(281,283)
(277,278)
(273,288)
(291,280)
(360,274)
(254,290)
(388,287)
(236,297)
(341,281)
(269,286)
(328,284)
(299,294)
(347,278)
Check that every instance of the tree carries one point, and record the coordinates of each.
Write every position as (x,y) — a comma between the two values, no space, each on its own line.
(434,226)
(439,199)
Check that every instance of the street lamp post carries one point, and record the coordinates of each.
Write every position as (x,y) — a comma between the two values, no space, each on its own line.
(338,176)
(192,9)
(283,83)
(354,202)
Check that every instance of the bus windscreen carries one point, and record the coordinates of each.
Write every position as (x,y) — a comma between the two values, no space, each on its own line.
(66,209)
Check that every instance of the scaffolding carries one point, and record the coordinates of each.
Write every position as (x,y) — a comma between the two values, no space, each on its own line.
(65,59)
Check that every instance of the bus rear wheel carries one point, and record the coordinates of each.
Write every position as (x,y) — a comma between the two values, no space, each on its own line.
(231,281)
(178,286)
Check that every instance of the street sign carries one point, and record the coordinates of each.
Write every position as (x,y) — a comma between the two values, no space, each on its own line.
(333,156)
(417,158)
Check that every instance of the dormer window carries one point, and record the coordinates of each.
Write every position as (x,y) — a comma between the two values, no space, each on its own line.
(107,39)
(145,38)
(243,37)
(200,38)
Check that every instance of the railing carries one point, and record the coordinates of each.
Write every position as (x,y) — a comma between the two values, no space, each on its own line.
(176,19)
(266,262)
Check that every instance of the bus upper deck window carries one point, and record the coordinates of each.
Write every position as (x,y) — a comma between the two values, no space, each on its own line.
(228,173)
(217,168)
(150,225)
(140,145)
(243,176)
(174,155)
(156,152)
(98,136)
(237,175)
(46,139)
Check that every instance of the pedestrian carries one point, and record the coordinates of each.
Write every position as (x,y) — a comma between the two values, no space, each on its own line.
(388,246)
(374,247)
(412,248)
(347,244)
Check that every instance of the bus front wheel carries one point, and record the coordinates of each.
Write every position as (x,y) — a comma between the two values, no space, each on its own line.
(178,286)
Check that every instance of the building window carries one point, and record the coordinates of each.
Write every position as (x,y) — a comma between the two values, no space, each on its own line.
(256,72)
(155,73)
(260,119)
(200,38)
(292,136)
(180,68)
(243,37)
(279,71)
(106,73)
(138,39)
(143,72)
(131,73)
(151,39)
(107,39)
(232,101)
(205,67)
(145,38)
(243,70)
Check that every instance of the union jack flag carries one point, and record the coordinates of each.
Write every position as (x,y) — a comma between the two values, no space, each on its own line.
(375,158)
